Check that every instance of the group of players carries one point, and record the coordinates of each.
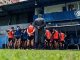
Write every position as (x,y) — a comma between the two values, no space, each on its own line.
(54,39)
(21,38)
(25,38)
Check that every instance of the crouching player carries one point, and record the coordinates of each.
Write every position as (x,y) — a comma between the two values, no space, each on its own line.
(55,39)
(30,32)
(61,39)
(24,39)
(10,38)
(48,37)
(17,37)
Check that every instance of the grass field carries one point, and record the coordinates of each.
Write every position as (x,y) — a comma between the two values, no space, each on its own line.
(39,55)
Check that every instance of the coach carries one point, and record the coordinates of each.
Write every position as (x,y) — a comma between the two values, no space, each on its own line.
(39,33)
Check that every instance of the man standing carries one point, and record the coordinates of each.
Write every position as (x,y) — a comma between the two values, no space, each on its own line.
(39,33)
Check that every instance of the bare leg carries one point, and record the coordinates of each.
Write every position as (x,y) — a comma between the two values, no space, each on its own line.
(28,43)
(19,43)
(55,44)
(8,45)
(15,43)
(32,43)
(25,44)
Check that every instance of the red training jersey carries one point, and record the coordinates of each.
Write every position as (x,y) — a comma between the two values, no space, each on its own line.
(10,34)
(62,36)
(48,34)
(56,35)
(30,29)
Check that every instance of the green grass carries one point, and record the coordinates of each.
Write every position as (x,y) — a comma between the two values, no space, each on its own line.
(39,55)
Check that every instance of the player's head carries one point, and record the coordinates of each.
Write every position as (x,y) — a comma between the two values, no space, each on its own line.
(60,31)
(47,29)
(30,23)
(40,16)
(11,29)
(53,30)
(18,27)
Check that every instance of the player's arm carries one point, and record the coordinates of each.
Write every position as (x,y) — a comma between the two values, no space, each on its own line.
(15,33)
(50,36)
(35,24)
(43,24)
(65,35)
(45,38)
(59,35)
(12,32)
(28,32)
(33,31)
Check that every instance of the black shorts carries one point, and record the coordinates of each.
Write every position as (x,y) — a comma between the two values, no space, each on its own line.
(10,39)
(62,42)
(48,40)
(23,39)
(18,37)
(56,40)
(30,37)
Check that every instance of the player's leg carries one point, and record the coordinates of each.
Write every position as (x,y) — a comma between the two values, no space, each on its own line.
(21,46)
(45,45)
(28,42)
(19,42)
(62,44)
(51,43)
(36,38)
(41,39)
(11,42)
(25,43)
(48,43)
(55,44)
(42,42)
(8,42)
(32,42)
(15,43)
